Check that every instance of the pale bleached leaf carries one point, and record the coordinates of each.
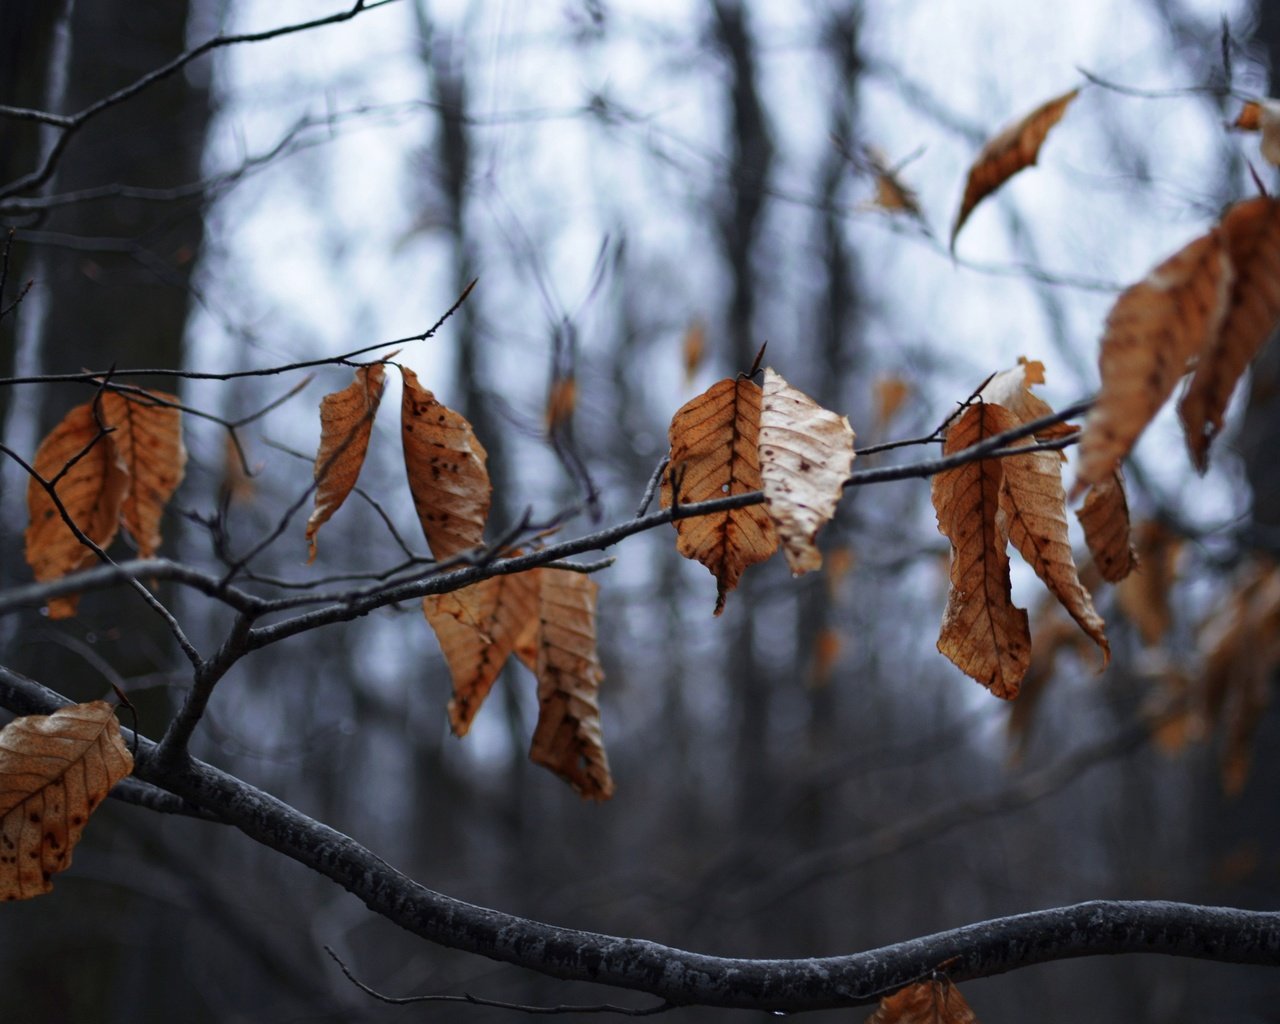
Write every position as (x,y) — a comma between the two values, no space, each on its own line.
(805,455)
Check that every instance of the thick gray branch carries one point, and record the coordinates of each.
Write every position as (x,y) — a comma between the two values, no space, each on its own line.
(681,977)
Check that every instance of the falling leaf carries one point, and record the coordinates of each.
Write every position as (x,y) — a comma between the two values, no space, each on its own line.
(1250,233)
(148,440)
(715,454)
(1153,331)
(54,770)
(935,1001)
(983,633)
(1263,116)
(1012,150)
(890,393)
(1105,519)
(92,490)
(445,462)
(346,423)
(806,452)
(1035,515)
(478,628)
(693,349)
(1143,596)
(567,738)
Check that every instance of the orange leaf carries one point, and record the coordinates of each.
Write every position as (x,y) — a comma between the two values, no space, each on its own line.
(91,490)
(983,633)
(890,393)
(715,454)
(806,452)
(1153,331)
(478,628)
(1250,232)
(1105,519)
(936,1001)
(54,770)
(827,646)
(346,423)
(445,462)
(148,441)
(1035,514)
(1263,116)
(567,738)
(1014,148)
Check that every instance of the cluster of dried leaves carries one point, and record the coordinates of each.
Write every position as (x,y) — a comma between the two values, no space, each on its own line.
(1202,314)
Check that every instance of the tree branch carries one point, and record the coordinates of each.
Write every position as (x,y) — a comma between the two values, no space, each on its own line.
(677,976)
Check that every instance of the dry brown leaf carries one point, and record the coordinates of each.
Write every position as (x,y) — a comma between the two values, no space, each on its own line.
(1105,519)
(478,628)
(1035,515)
(983,633)
(54,770)
(148,441)
(562,399)
(1013,149)
(935,1001)
(1263,116)
(827,646)
(892,195)
(445,462)
(92,491)
(890,393)
(838,564)
(715,454)
(346,423)
(693,349)
(1012,390)
(1143,596)
(1250,234)
(567,738)
(806,452)
(1154,330)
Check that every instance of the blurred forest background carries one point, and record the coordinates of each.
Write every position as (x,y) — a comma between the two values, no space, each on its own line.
(803,776)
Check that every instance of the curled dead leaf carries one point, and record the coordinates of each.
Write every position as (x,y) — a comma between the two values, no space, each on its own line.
(806,452)
(147,434)
(1016,147)
(346,424)
(1154,331)
(1105,519)
(446,466)
(983,633)
(1263,116)
(1250,236)
(54,770)
(92,488)
(568,738)
(935,1001)
(715,454)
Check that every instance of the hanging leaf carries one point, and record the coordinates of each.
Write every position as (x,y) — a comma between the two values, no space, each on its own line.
(92,490)
(1263,116)
(805,455)
(346,423)
(892,195)
(935,1001)
(148,441)
(445,462)
(890,393)
(54,770)
(715,454)
(1012,150)
(1035,514)
(478,628)
(1105,519)
(1153,331)
(1250,233)
(983,633)
(1011,389)
(568,739)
